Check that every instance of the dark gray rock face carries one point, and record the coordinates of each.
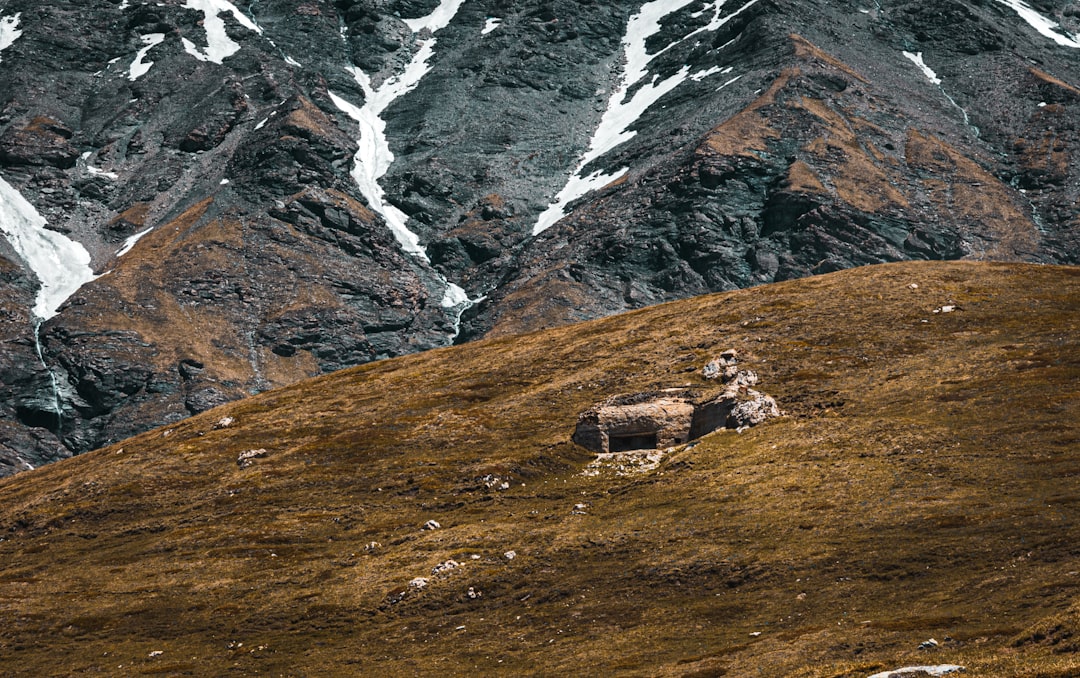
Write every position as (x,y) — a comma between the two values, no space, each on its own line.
(799,140)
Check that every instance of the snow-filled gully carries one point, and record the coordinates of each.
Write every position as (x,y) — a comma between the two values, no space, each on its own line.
(1045,27)
(374,157)
(917,59)
(621,113)
(61,265)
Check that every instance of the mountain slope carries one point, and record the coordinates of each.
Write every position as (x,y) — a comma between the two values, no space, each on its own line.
(921,484)
(277,189)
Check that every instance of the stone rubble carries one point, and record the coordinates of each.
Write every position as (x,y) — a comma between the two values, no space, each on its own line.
(248,457)
(444,567)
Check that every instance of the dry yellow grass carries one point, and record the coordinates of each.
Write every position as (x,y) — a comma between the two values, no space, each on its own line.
(922,485)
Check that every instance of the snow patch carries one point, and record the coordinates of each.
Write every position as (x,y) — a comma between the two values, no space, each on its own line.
(218,43)
(61,265)
(293,62)
(439,18)
(262,123)
(139,67)
(124,5)
(917,59)
(454,296)
(9,30)
(100,172)
(939,670)
(1045,27)
(701,75)
(491,24)
(130,242)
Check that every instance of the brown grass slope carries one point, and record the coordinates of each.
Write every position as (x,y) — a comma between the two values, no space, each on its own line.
(923,484)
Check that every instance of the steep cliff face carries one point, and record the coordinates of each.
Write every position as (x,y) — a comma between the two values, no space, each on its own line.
(276,189)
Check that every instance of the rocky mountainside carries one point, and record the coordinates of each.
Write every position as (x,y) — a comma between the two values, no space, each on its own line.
(916,505)
(239,195)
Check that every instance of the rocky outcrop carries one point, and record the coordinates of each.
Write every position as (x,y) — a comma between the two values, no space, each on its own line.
(41,141)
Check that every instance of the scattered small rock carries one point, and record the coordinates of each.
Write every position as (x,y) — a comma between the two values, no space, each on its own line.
(947,309)
(493,482)
(444,567)
(913,286)
(473,594)
(755,634)
(930,644)
(372,547)
(579,509)
(431,525)
(156,653)
(418,583)
(224,422)
(248,457)
(510,555)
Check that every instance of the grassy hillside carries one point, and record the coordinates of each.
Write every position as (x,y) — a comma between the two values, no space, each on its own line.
(923,484)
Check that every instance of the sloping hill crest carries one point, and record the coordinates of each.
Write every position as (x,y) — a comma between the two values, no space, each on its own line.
(921,485)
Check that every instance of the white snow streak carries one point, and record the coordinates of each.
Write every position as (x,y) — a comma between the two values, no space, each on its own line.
(927,71)
(735,79)
(373,157)
(130,242)
(621,114)
(60,264)
(1046,27)
(293,62)
(219,44)
(138,67)
(9,31)
(715,23)
(939,670)
(917,59)
(491,24)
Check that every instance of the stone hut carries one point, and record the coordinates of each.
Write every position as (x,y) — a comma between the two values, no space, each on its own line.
(637,421)
(660,419)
